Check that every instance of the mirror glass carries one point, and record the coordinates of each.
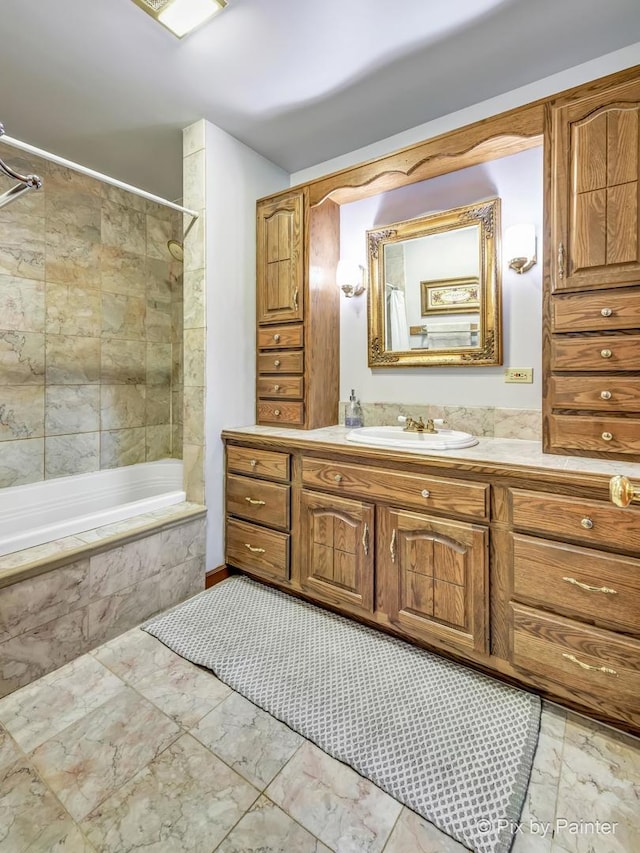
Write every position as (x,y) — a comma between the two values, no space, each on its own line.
(435,289)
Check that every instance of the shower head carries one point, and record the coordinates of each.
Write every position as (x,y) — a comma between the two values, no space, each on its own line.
(176,249)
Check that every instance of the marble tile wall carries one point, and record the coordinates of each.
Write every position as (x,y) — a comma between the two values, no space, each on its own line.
(486,421)
(91,315)
(50,619)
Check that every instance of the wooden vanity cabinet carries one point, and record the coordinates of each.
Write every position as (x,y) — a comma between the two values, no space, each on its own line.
(297,310)
(592,295)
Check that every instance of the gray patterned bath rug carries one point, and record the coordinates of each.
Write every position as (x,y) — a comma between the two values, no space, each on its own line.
(451,744)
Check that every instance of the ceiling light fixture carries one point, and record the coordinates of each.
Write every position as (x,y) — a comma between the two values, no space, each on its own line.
(181,17)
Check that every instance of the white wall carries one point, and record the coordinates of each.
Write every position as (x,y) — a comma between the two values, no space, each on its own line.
(235,177)
(517,181)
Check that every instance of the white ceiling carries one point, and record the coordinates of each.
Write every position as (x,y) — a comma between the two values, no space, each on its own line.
(300,81)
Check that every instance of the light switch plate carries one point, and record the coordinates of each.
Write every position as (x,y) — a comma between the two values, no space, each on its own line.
(518,374)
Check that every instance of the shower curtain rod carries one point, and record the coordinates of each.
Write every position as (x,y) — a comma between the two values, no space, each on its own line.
(69,164)
(25,182)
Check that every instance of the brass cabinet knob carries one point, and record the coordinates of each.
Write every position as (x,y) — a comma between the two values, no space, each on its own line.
(276,363)
(425,493)
(338,478)
(587,523)
(605,395)
(606,312)
(253,463)
(276,387)
(276,412)
(276,338)
(622,491)
(606,353)
(607,436)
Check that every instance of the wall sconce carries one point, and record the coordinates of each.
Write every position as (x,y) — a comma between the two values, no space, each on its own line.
(181,16)
(520,247)
(350,278)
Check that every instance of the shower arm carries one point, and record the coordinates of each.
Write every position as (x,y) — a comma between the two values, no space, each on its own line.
(26,182)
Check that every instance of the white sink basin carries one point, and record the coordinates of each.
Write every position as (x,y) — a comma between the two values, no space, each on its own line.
(395,436)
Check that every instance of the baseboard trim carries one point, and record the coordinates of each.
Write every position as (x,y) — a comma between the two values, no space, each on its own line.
(216,575)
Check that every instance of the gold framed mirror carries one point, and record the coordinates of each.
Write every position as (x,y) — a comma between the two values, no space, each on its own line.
(435,289)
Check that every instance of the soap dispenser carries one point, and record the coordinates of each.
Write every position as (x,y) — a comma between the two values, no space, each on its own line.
(353,415)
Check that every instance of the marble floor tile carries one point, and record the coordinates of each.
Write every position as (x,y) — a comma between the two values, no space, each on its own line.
(267,829)
(345,811)
(40,710)
(251,741)
(184,800)
(89,760)
(9,752)
(413,833)
(134,655)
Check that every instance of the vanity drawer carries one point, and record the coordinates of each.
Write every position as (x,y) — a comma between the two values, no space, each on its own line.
(596,662)
(280,337)
(621,393)
(280,362)
(281,387)
(256,549)
(273,412)
(601,352)
(258,500)
(259,463)
(587,312)
(457,497)
(595,522)
(619,435)
(587,584)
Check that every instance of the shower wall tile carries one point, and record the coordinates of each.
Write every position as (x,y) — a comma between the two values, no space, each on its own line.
(159,232)
(159,364)
(158,408)
(194,357)
(122,197)
(158,442)
(21,461)
(72,232)
(193,458)
(161,211)
(159,276)
(122,406)
(72,360)
(22,244)
(193,423)
(122,567)
(123,272)
(122,447)
(65,455)
(21,358)
(194,299)
(21,304)
(176,441)
(193,167)
(194,245)
(123,362)
(193,138)
(123,316)
(123,227)
(72,409)
(158,319)
(72,309)
(61,178)
(21,412)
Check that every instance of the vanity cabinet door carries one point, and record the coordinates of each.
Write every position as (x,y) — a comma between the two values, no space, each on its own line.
(595,190)
(280,248)
(337,550)
(434,578)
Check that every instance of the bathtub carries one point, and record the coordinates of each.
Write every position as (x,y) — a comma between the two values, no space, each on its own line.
(36,513)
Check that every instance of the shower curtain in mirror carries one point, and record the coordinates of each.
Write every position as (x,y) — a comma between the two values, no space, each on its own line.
(397,314)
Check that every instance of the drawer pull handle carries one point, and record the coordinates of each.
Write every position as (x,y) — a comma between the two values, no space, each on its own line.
(606,312)
(276,338)
(254,502)
(606,353)
(276,387)
(605,395)
(607,436)
(254,550)
(425,493)
(276,412)
(365,540)
(338,478)
(392,547)
(588,588)
(295,299)
(604,669)
(560,260)
(276,363)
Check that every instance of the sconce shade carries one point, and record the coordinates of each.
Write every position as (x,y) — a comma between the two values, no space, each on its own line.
(350,278)
(181,16)
(520,247)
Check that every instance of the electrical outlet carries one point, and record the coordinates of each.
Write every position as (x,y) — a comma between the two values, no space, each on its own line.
(518,374)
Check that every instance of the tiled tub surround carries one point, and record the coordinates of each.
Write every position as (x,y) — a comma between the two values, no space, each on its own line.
(35,513)
(91,318)
(62,599)
(484,421)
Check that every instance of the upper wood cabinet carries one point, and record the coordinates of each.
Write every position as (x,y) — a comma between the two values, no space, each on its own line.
(595,190)
(280,253)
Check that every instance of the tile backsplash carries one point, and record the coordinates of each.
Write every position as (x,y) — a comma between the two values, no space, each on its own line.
(91,364)
(487,421)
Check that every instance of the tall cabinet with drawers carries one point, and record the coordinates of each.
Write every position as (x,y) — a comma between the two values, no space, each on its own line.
(592,316)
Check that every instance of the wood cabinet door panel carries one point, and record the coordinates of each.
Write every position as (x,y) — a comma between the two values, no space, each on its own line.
(434,574)
(337,550)
(280,261)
